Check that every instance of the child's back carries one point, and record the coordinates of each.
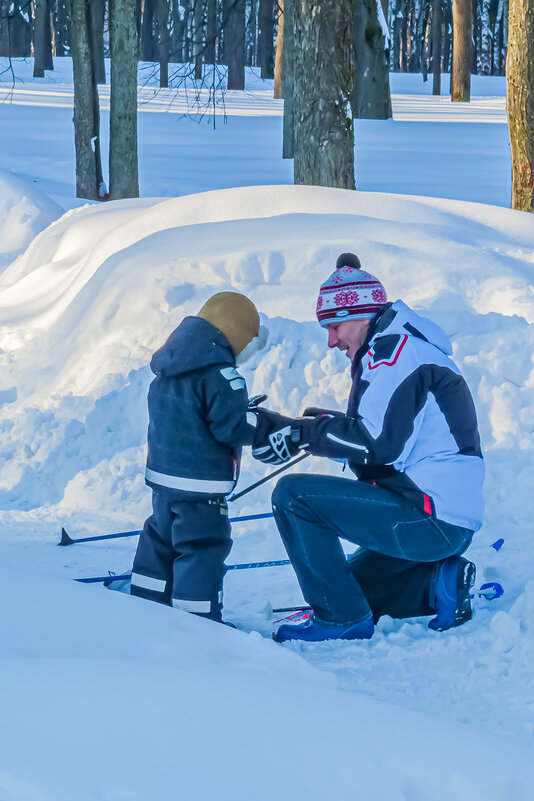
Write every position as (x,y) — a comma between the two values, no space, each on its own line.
(197,426)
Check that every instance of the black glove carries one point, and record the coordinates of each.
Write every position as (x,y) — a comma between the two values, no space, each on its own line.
(277,437)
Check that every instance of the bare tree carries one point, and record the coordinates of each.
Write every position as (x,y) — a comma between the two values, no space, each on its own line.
(324,82)
(97,12)
(234,42)
(89,180)
(371,99)
(288,79)
(42,42)
(279,51)
(462,23)
(436,47)
(265,38)
(123,166)
(520,101)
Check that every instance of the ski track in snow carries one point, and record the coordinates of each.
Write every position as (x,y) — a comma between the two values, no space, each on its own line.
(81,310)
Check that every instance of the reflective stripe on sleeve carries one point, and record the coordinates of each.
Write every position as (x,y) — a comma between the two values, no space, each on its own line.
(148,583)
(344,442)
(189,484)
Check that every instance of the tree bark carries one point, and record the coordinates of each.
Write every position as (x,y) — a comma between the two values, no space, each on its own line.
(484,54)
(436,47)
(148,48)
(97,11)
(123,168)
(89,181)
(15,29)
(265,38)
(42,39)
(288,79)
(234,42)
(211,32)
(520,101)
(324,82)
(371,98)
(462,24)
(279,52)
(163,42)
(198,37)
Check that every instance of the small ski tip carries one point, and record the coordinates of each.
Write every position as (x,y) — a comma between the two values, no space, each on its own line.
(65,539)
(497,545)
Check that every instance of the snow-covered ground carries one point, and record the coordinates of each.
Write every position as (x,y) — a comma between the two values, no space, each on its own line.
(107,697)
(432,147)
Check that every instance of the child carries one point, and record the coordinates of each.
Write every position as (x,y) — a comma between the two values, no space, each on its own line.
(198,423)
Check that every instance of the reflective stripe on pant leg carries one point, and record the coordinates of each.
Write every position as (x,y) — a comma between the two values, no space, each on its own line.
(197,607)
(149,583)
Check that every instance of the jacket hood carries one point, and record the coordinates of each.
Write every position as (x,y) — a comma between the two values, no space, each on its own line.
(400,319)
(193,345)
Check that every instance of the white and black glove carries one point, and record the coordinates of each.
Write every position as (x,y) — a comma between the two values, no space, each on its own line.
(277,438)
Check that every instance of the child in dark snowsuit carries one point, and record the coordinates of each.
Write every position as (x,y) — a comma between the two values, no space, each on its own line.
(198,423)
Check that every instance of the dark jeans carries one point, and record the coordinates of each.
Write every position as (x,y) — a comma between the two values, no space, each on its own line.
(181,552)
(393,572)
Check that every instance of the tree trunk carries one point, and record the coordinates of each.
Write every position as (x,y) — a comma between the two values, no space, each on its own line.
(324,83)
(148,49)
(198,37)
(288,79)
(163,42)
(42,39)
(97,10)
(265,38)
(371,99)
(61,28)
(89,181)
(498,40)
(436,47)
(123,170)
(484,54)
(279,52)
(234,42)
(462,23)
(520,101)
(211,32)
(15,29)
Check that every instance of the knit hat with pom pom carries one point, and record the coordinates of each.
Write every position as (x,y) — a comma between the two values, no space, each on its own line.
(350,293)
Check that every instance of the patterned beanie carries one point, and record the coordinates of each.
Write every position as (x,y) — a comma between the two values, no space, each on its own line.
(350,293)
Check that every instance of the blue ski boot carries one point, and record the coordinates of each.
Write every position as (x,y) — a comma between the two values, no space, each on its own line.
(456,576)
(314,630)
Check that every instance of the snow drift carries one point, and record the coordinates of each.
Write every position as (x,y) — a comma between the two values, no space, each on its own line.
(81,311)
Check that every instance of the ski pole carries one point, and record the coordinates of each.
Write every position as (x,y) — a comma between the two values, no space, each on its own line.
(268,478)
(243,566)
(66,539)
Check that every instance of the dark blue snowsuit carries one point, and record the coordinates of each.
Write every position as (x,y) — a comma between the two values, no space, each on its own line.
(198,407)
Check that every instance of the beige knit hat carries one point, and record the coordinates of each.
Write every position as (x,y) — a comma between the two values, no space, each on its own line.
(235,315)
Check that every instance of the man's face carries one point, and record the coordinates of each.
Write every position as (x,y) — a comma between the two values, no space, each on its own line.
(348,335)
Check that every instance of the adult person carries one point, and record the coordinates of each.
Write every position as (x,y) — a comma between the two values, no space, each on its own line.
(410,436)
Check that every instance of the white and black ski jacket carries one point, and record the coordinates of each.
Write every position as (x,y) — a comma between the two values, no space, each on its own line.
(411,424)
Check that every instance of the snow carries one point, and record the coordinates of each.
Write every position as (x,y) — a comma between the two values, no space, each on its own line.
(117,698)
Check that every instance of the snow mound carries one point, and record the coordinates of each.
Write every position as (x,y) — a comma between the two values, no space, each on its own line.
(97,292)
(24,212)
